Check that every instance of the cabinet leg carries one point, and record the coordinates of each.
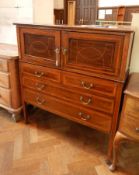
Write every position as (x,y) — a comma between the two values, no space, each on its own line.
(16,117)
(117,141)
(110,149)
(25,113)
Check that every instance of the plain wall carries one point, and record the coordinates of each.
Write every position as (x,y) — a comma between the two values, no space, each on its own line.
(58,4)
(135,53)
(43,11)
(10,14)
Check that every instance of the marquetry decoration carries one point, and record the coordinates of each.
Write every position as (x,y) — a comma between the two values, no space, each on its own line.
(92,53)
(39,46)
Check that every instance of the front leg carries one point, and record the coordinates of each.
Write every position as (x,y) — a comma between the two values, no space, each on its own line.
(117,141)
(25,113)
(16,116)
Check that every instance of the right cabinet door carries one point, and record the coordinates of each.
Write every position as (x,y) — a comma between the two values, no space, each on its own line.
(91,54)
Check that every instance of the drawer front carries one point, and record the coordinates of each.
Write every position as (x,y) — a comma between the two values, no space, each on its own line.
(89,84)
(5,97)
(39,72)
(73,112)
(130,117)
(3,65)
(86,100)
(4,80)
(132,107)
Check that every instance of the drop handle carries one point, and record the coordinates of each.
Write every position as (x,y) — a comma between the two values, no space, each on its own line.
(64,51)
(81,21)
(38,74)
(57,52)
(40,87)
(84,116)
(86,85)
(137,130)
(40,101)
(85,102)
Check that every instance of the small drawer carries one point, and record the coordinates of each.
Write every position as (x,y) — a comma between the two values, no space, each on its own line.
(73,112)
(85,100)
(3,65)
(89,84)
(40,73)
(132,106)
(129,123)
(5,97)
(4,80)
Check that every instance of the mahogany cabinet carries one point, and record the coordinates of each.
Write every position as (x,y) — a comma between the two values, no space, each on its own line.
(75,72)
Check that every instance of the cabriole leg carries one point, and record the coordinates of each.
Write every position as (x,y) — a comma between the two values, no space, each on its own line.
(117,141)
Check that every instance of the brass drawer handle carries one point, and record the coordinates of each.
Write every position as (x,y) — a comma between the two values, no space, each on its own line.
(57,51)
(137,130)
(86,85)
(84,117)
(40,101)
(84,102)
(64,51)
(38,74)
(40,87)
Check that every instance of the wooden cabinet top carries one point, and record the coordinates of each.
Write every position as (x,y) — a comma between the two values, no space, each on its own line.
(132,87)
(109,28)
(8,51)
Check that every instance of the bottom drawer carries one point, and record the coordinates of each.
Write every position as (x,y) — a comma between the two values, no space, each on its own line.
(5,97)
(76,113)
(129,126)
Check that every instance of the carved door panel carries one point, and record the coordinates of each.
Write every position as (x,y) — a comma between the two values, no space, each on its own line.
(92,53)
(40,46)
(86,11)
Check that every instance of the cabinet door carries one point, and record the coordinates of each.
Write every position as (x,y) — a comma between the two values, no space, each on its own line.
(91,54)
(86,11)
(40,46)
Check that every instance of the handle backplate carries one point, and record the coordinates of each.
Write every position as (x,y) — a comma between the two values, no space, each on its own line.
(86,85)
(84,116)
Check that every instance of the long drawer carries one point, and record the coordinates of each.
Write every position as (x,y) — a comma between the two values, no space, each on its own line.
(83,99)
(40,72)
(5,97)
(89,84)
(68,110)
(4,80)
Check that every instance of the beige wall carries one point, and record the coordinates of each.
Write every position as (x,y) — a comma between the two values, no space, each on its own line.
(43,11)
(9,14)
(135,54)
(58,4)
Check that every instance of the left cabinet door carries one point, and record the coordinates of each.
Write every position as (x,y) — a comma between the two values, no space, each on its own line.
(40,46)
